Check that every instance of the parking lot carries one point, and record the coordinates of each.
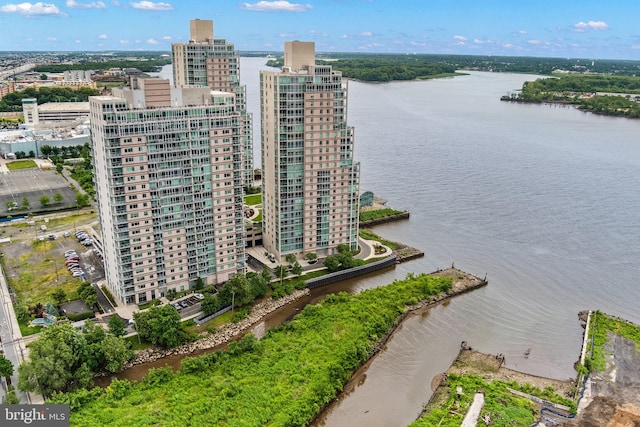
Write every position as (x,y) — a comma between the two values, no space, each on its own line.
(188,305)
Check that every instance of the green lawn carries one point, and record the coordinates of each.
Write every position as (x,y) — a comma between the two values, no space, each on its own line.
(21,164)
(253,199)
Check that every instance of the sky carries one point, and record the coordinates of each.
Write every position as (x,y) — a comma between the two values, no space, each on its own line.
(550,28)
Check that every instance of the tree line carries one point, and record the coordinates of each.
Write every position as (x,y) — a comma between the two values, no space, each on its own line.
(581,90)
(13,101)
(147,66)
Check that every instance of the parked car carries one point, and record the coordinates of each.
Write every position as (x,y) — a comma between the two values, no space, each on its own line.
(177,306)
(184,304)
(66,234)
(78,273)
(52,237)
(70,252)
(199,296)
(43,227)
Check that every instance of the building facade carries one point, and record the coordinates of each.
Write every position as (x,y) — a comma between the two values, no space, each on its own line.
(168,172)
(209,62)
(310,181)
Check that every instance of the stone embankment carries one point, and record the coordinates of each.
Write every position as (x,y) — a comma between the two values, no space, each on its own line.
(407,253)
(225,334)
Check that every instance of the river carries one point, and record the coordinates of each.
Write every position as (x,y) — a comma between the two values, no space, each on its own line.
(543,199)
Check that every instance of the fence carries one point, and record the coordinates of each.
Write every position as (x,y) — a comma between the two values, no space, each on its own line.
(350,273)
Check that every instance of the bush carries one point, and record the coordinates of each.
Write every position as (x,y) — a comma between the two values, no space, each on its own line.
(80,316)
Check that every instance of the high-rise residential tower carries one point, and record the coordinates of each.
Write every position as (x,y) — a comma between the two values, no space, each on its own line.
(205,61)
(309,179)
(168,174)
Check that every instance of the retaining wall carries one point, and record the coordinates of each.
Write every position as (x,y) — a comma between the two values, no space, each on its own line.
(352,272)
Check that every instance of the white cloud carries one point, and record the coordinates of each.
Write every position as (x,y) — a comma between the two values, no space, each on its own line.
(52,39)
(534,42)
(32,9)
(276,6)
(286,35)
(149,5)
(477,41)
(102,36)
(421,44)
(366,34)
(460,38)
(78,41)
(124,42)
(166,37)
(152,41)
(522,32)
(581,27)
(635,46)
(92,5)
(317,33)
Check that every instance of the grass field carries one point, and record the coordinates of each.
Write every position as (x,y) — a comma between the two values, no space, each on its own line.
(253,199)
(21,164)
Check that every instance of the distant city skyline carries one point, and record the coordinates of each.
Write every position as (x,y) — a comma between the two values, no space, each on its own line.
(584,29)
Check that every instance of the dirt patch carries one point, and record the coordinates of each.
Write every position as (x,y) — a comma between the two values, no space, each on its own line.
(616,391)
(490,367)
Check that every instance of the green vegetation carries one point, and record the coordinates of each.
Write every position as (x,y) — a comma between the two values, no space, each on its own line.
(343,260)
(13,101)
(370,215)
(253,199)
(581,90)
(503,407)
(64,359)
(160,326)
(370,235)
(281,380)
(376,65)
(150,65)
(21,164)
(601,325)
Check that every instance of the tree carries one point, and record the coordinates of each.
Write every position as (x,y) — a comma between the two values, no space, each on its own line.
(332,263)
(117,326)
(56,362)
(31,154)
(296,268)
(6,368)
(59,296)
(57,198)
(311,256)
(116,352)
(290,258)
(59,167)
(257,284)
(45,200)
(160,326)
(236,290)
(25,203)
(199,283)
(281,272)
(43,76)
(82,200)
(211,304)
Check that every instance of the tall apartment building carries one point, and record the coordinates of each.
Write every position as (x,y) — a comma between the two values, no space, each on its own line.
(205,61)
(309,179)
(168,174)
